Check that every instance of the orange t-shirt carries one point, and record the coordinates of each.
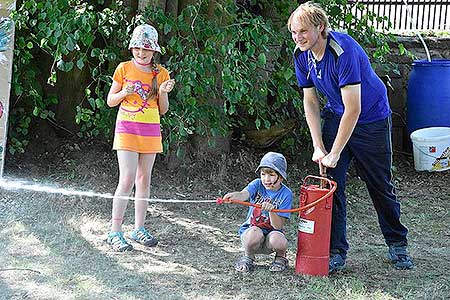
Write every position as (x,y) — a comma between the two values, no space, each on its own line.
(138,126)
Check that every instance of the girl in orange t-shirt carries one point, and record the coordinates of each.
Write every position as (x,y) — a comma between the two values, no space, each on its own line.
(141,89)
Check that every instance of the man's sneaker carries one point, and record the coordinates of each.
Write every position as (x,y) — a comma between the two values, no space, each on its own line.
(142,236)
(337,262)
(399,257)
(118,242)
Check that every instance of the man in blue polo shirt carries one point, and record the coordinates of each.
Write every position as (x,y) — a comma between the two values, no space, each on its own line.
(356,125)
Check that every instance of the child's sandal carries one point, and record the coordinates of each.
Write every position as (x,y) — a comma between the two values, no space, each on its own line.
(142,236)
(244,264)
(279,264)
(118,242)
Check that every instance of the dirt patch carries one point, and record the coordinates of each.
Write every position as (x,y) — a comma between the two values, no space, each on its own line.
(52,246)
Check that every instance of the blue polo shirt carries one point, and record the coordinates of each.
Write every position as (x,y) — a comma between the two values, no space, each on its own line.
(344,63)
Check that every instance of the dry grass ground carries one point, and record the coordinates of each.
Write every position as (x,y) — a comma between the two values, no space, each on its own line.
(52,246)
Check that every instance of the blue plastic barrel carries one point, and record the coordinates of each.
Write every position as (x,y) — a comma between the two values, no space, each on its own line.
(428,103)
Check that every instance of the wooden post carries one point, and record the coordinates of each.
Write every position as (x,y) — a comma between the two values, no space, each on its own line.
(161,3)
(6,63)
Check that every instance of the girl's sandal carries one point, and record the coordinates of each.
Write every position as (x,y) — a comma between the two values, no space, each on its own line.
(279,264)
(244,264)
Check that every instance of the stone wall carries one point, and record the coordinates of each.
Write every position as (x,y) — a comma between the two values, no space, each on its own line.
(439,48)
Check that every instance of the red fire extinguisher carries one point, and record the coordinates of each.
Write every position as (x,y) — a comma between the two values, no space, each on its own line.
(313,243)
(314,227)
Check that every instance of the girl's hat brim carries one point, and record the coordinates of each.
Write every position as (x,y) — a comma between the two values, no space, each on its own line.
(145,37)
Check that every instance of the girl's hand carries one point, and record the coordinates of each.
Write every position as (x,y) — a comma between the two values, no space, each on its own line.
(128,89)
(167,86)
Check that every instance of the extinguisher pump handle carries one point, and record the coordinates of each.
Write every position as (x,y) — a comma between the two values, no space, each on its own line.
(322,180)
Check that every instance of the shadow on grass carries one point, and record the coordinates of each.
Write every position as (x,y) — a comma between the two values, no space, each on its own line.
(70,267)
(63,239)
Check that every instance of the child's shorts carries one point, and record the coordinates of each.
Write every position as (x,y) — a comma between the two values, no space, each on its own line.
(264,248)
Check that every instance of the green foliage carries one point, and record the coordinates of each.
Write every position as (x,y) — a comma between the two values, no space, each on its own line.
(69,34)
(226,72)
(376,42)
(233,67)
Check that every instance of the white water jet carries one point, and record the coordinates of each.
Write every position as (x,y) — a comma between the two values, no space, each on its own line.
(13,185)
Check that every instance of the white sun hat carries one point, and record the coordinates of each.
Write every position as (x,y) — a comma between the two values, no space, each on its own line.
(145,37)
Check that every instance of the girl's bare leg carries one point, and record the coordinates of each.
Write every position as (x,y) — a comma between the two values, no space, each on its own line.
(128,162)
(143,181)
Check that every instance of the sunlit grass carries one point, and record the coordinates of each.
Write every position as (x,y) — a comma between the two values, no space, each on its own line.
(53,247)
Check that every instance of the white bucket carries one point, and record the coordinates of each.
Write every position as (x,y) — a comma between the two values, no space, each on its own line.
(431,148)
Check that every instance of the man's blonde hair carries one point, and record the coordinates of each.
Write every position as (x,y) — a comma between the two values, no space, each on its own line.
(311,13)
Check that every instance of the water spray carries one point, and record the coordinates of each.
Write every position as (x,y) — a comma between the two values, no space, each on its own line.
(22,185)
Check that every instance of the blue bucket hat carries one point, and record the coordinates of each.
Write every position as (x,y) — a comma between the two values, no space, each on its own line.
(275,161)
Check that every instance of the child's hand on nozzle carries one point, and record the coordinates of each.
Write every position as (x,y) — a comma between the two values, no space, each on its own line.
(228,197)
(167,86)
(268,206)
(128,89)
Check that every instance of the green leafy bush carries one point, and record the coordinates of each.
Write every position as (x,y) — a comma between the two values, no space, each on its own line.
(59,36)
(227,74)
(233,67)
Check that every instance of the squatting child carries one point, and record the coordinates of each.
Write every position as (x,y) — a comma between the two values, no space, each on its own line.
(262,231)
